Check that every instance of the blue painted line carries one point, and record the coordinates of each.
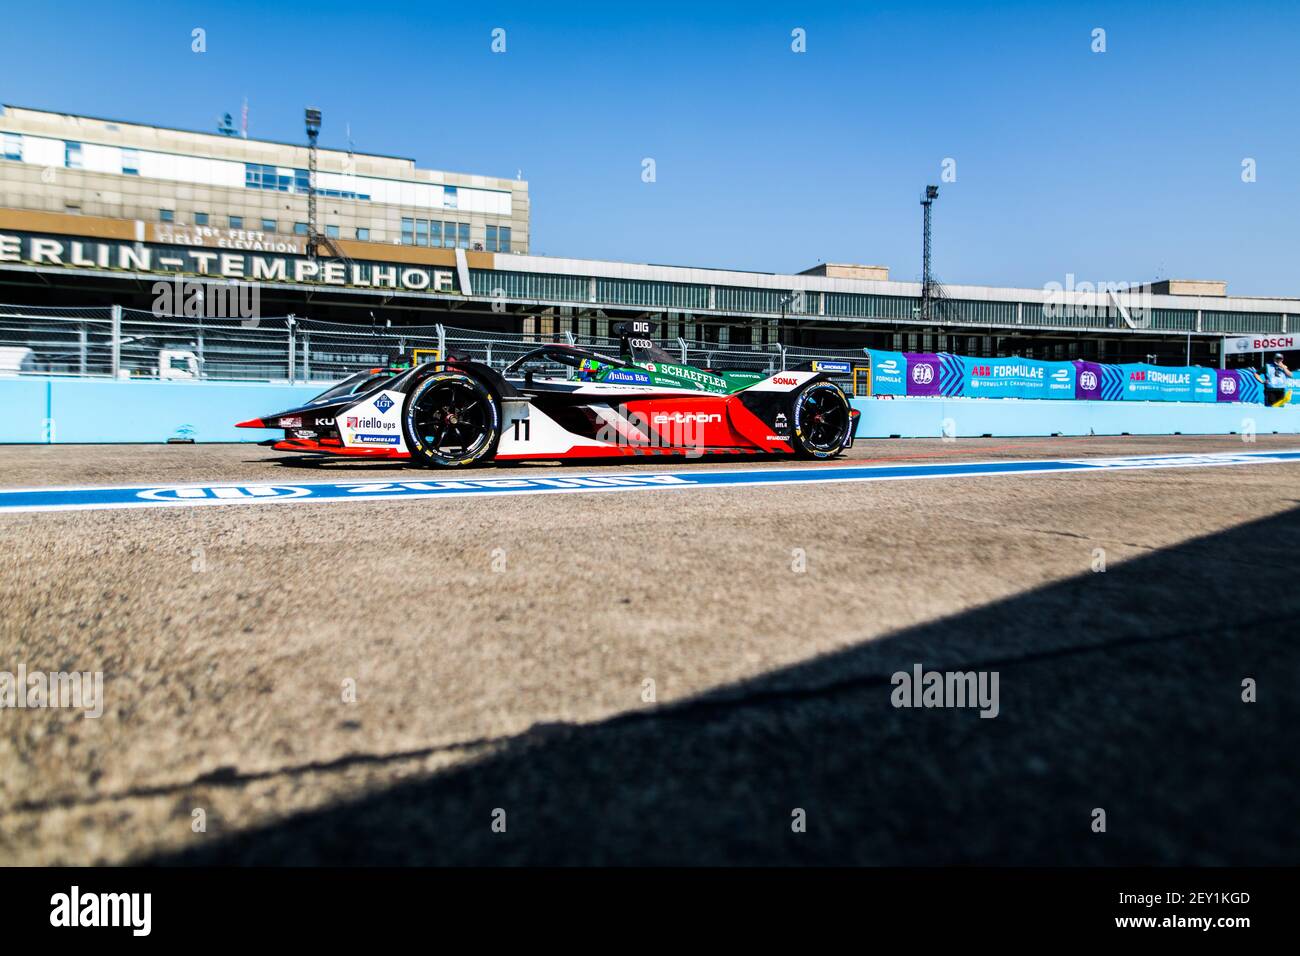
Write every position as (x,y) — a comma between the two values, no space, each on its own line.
(237,493)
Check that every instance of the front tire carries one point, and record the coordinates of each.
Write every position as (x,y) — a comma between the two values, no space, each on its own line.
(451,420)
(821,421)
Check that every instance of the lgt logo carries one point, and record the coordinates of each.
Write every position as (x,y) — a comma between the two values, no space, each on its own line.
(923,374)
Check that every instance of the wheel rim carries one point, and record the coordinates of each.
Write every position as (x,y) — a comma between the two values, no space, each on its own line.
(825,418)
(451,420)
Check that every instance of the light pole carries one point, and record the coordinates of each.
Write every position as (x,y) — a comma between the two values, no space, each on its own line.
(312,117)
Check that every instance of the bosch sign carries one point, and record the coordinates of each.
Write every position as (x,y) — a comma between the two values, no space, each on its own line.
(1260,343)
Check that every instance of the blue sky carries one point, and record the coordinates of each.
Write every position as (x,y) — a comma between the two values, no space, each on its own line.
(1115,166)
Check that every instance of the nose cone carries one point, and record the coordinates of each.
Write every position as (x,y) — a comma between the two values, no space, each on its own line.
(253,423)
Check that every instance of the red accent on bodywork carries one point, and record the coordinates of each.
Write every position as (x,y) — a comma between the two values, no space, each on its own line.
(253,423)
(334,447)
(753,428)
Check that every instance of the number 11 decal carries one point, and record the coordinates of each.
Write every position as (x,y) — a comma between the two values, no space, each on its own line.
(526,423)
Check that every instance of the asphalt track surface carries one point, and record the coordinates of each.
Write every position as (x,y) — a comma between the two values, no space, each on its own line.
(501,650)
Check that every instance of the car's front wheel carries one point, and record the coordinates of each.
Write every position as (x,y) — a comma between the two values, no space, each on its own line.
(821,421)
(451,420)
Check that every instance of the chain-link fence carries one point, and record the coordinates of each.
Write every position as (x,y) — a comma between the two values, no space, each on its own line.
(129,343)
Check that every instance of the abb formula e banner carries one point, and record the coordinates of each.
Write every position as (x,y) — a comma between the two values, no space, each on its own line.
(959,376)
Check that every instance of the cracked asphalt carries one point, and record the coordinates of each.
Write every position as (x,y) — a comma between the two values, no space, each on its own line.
(649,678)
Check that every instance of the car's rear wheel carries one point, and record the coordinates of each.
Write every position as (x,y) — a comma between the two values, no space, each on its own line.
(821,421)
(451,420)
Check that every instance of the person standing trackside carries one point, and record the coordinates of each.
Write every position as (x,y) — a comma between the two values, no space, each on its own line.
(1277,382)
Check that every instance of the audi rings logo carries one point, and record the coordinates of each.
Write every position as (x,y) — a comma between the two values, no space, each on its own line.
(225,493)
(1088,381)
(923,374)
(1228,386)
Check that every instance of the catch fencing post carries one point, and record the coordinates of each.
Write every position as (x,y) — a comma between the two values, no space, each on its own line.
(682,342)
(306,355)
(81,349)
(116,335)
(289,323)
(442,342)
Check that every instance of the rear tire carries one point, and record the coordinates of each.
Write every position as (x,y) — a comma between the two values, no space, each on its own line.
(451,420)
(821,421)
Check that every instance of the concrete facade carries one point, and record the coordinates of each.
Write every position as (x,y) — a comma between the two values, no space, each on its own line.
(53,162)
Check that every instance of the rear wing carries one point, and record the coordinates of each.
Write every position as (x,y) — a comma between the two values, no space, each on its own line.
(637,346)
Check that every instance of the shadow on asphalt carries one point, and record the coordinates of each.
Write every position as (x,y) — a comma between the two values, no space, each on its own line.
(1119,690)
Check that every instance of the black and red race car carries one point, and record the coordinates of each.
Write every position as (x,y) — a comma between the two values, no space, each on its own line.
(564,402)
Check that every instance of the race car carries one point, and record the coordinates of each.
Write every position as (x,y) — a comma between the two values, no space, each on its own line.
(561,402)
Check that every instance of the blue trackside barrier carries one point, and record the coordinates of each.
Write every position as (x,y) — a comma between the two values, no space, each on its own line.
(53,410)
(1009,418)
(41,410)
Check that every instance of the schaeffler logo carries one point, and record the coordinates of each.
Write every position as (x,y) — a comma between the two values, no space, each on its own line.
(923,374)
(1088,381)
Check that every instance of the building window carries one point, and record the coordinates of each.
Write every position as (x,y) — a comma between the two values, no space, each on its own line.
(130,162)
(300,229)
(72,155)
(166,215)
(13,147)
(200,219)
(332,231)
(498,238)
(435,234)
(408,232)
(268,225)
(421,232)
(363,234)
(236,222)
(462,235)
(450,197)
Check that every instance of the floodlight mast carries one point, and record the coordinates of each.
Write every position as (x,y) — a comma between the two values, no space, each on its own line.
(312,117)
(927,276)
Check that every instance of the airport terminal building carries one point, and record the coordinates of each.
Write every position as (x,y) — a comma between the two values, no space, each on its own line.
(96,213)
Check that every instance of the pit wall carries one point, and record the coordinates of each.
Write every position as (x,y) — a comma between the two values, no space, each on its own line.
(1007,418)
(39,410)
